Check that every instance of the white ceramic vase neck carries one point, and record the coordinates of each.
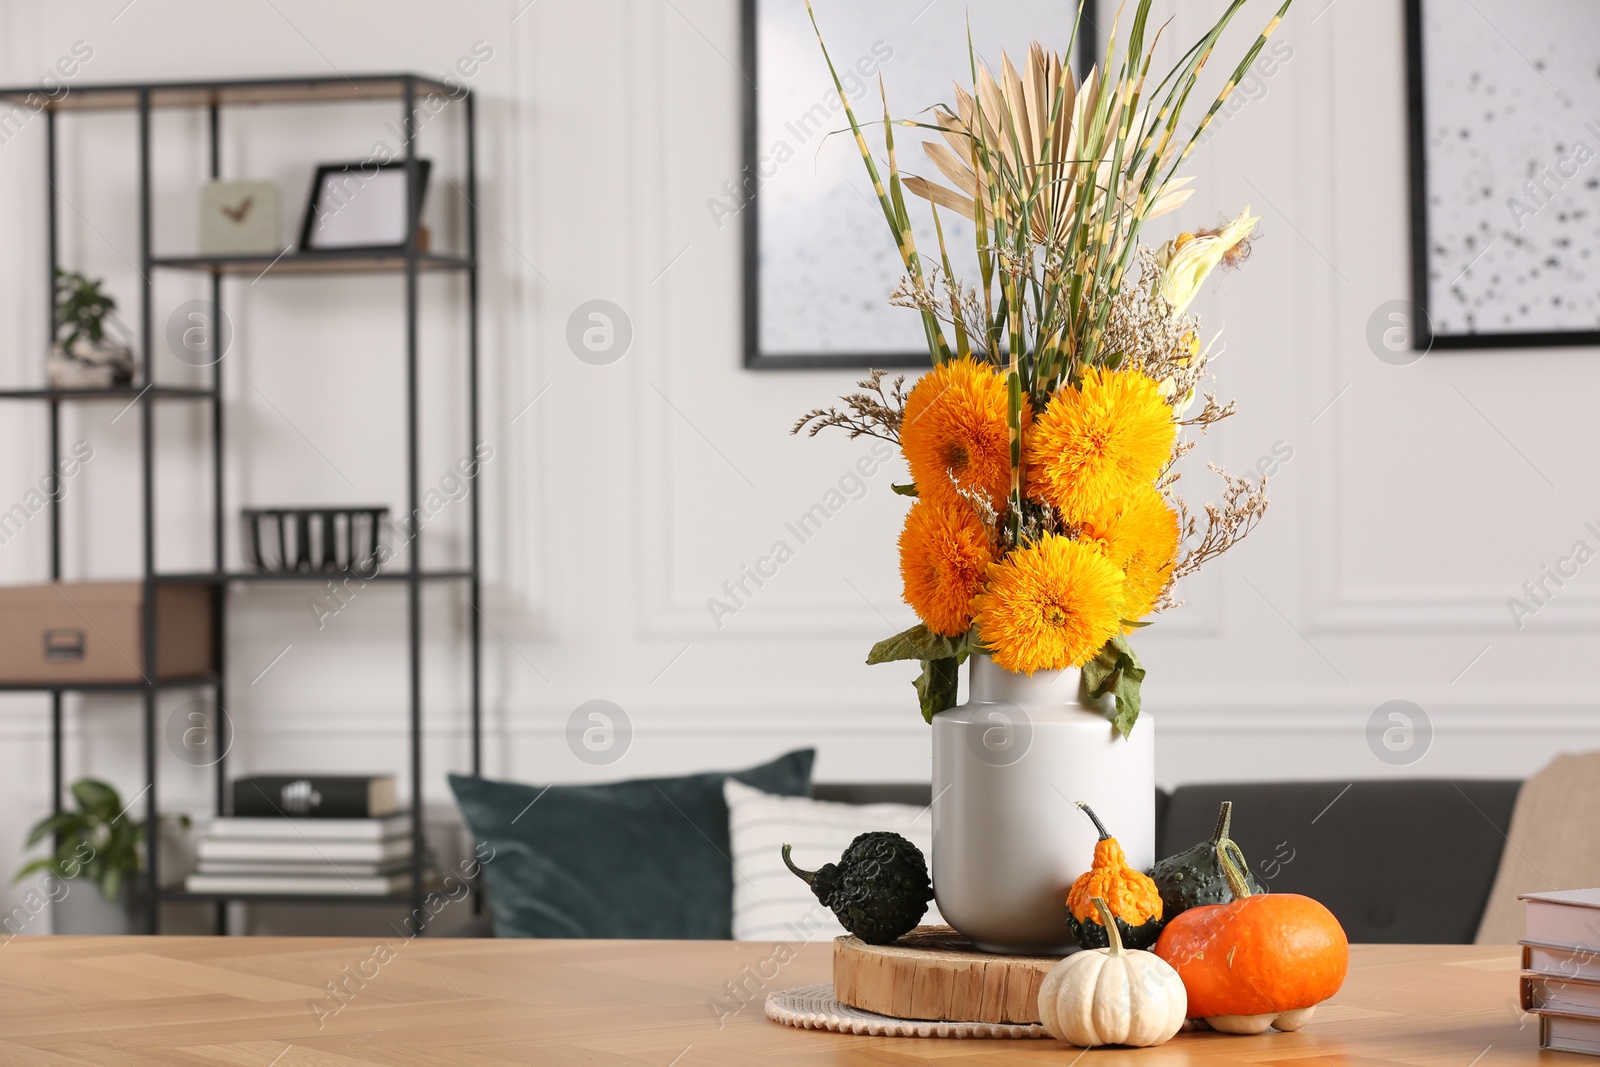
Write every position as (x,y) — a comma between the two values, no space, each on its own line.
(990,683)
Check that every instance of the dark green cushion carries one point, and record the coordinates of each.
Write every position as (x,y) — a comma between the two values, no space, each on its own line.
(644,858)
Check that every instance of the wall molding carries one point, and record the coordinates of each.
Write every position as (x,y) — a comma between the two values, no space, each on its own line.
(1332,606)
(1567,710)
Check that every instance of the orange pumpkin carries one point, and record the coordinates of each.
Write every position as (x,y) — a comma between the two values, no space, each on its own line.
(1131,895)
(1263,959)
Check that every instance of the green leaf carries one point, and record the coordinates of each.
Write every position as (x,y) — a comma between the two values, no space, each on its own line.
(96,797)
(936,685)
(43,863)
(963,348)
(918,643)
(909,489)
(1116,670)
(65,823)
(941,659)
(111,883)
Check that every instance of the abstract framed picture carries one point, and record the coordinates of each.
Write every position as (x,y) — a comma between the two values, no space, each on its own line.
(1505,172)
(819,264)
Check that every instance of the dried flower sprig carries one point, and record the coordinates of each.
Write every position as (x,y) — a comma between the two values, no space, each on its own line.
(949,302)
(1212,413)
(1244,504)
(1147,334)
(871,412)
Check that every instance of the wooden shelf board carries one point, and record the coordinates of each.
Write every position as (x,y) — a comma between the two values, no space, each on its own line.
(397,575)
(106,687)
(354,262)
(268,91)
(125,393)
(179,895)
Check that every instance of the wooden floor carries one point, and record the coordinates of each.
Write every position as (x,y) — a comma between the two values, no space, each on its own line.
(269,1002)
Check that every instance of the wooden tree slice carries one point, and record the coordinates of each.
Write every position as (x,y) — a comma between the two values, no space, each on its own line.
(935,973)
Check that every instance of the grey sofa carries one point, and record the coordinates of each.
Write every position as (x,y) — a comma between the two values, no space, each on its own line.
(1398,861)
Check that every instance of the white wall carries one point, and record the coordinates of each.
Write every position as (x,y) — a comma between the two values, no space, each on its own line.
(1417,500)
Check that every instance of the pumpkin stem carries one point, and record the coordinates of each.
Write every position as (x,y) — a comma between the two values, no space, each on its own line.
(1113,935)
(1098,825)
(808,877)
(1224,823)
(1233,871)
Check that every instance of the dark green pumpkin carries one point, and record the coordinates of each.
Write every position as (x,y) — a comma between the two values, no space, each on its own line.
(1195,877)
(879,889)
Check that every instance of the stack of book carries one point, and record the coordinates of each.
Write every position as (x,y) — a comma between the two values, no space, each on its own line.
(307,834)
(1561,968)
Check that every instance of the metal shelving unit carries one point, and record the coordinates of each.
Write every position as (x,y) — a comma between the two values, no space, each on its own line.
(214,97)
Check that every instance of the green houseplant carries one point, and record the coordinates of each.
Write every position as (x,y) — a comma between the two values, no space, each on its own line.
(95,843)
(85,356)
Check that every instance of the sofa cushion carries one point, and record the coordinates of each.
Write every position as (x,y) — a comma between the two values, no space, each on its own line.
(1551,844)
(769,902)
(1396,861)
(642,858)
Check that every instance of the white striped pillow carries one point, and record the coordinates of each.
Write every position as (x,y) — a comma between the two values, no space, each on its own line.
(769,902)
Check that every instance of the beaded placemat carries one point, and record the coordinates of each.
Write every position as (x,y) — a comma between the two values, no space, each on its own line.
(814,1008)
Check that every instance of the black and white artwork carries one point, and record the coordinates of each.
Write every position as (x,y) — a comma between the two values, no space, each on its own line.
(1505,135)
(820,264)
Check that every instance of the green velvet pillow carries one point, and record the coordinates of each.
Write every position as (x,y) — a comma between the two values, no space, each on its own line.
(644,858)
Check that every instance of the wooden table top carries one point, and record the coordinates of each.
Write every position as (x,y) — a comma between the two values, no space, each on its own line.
(268,1002)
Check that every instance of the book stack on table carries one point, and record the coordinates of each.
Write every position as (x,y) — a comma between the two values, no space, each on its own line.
(296,835)
(1561,968)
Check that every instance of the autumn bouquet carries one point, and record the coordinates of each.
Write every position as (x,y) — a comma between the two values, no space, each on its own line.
(1044,442)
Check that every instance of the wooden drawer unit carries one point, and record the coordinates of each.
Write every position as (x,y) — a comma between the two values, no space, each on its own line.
(89,632)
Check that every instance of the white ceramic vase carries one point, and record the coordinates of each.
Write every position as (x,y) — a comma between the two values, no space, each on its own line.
(1008,838)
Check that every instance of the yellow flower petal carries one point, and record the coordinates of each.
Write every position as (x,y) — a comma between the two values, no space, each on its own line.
(1187,262)
(1050,605)
(944,553)
(1099,443)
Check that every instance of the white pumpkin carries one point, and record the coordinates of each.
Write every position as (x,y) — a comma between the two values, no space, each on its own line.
(1112,996)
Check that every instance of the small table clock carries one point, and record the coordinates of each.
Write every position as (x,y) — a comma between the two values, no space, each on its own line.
(239,218)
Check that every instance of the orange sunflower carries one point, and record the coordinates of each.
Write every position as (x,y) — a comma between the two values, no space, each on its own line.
(1049,606)
(1099,443)
(1141,537)
(954,433)
(944,552)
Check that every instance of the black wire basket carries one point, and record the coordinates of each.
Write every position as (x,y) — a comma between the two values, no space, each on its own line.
(333,540)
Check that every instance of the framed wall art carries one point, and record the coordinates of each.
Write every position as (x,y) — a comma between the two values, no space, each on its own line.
(1505,172)
(819,264)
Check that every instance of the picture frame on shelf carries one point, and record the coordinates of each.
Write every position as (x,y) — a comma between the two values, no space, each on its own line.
(363,207)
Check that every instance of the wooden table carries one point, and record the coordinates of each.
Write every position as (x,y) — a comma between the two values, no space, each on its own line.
(268,1002)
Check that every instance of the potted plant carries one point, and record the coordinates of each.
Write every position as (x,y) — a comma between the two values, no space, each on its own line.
(84,356)
(1044,528)
(98,856)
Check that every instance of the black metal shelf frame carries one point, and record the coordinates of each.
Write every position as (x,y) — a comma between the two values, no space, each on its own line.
(411,260)
(287,898)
